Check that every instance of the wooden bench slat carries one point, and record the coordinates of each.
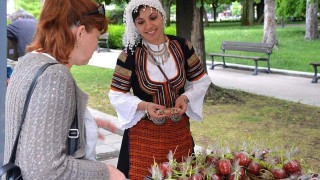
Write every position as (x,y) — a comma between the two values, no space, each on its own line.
(315,63)
(247,49)
(238,56)
(266,45)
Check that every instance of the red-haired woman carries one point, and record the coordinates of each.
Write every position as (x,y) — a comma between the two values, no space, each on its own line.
(67,34)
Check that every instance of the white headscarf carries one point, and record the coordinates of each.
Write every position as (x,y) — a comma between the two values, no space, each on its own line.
(132,35)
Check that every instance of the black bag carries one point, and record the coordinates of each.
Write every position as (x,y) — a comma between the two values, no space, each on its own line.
(12,171)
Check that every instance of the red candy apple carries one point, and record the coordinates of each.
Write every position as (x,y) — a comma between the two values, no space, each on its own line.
(240,173)
(216,176)
(293,167)
(279,173)
(254,167)
(224,166)
(165,169)
(196,177)
(243,158)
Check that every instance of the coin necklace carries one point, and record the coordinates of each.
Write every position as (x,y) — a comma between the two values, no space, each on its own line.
(163,54)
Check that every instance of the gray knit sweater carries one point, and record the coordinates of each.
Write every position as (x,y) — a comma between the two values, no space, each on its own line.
(42,149)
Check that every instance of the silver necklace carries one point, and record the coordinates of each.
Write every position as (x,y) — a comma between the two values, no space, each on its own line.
(163,54)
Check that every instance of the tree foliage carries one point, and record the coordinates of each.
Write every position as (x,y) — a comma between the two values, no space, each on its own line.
(290,8)
(33,7)
(236,8)
(216,4)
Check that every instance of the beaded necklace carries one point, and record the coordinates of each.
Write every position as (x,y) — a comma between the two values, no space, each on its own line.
(162,55)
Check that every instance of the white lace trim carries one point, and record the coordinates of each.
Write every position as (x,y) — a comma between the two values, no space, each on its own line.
(132,35)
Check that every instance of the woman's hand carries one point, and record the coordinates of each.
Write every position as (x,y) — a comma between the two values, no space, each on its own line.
(103,123)
(151,108)
(115,174)
(182,102)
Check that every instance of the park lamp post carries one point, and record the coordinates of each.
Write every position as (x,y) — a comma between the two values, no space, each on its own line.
(3,73)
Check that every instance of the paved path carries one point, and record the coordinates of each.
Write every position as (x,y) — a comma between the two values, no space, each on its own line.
(292,88)
(287,85)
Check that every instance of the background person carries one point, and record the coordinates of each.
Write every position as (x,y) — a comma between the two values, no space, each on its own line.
(21,30)
(67,34)
(137,68)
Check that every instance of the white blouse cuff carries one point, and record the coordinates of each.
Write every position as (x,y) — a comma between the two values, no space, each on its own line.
(194,110)
(195,92)
(126,106)
(135,118)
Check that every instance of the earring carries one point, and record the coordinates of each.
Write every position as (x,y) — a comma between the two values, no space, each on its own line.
(78,44)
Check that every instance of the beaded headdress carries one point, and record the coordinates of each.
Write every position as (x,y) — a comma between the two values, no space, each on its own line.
(132,35)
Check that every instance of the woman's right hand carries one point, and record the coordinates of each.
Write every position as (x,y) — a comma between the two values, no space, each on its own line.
(152,108)
(115,174)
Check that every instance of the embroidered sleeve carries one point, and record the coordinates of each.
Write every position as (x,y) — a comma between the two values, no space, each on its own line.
(194,67)
(122,74)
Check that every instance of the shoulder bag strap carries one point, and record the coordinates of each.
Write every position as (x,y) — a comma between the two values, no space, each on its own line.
(73,131)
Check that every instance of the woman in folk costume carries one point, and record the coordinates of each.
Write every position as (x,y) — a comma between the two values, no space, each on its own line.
(163,72)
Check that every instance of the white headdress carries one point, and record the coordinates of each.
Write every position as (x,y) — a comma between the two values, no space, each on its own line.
(132,35)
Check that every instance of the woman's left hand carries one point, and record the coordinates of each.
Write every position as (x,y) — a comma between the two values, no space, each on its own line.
(105,124)
(181,102)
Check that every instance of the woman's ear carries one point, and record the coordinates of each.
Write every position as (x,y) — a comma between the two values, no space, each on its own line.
(79,32)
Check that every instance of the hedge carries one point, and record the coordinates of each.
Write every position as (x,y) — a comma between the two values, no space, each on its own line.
(116,32)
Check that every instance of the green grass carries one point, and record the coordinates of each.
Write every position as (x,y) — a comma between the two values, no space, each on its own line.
(96,82)
(259,119)
(293,53)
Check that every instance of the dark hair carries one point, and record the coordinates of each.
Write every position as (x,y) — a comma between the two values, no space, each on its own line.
(53,34)
(135,13)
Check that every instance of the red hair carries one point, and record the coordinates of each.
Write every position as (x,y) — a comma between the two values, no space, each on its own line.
(54,35)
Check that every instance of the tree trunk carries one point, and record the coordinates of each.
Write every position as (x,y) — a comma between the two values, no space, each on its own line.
(214,93)
(184,18)
(259,21)
(260,9)
(270,34)
(166,6)
(197,35)
(247,13)
(205,17)
(214,7)
(312,32)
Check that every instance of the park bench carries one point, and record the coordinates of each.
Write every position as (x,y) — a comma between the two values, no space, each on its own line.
(103,42)
(247,47)
(315,77)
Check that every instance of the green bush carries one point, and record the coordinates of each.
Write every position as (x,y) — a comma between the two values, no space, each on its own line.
(115,36)
(116,32)
(171,30)
(115,16)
